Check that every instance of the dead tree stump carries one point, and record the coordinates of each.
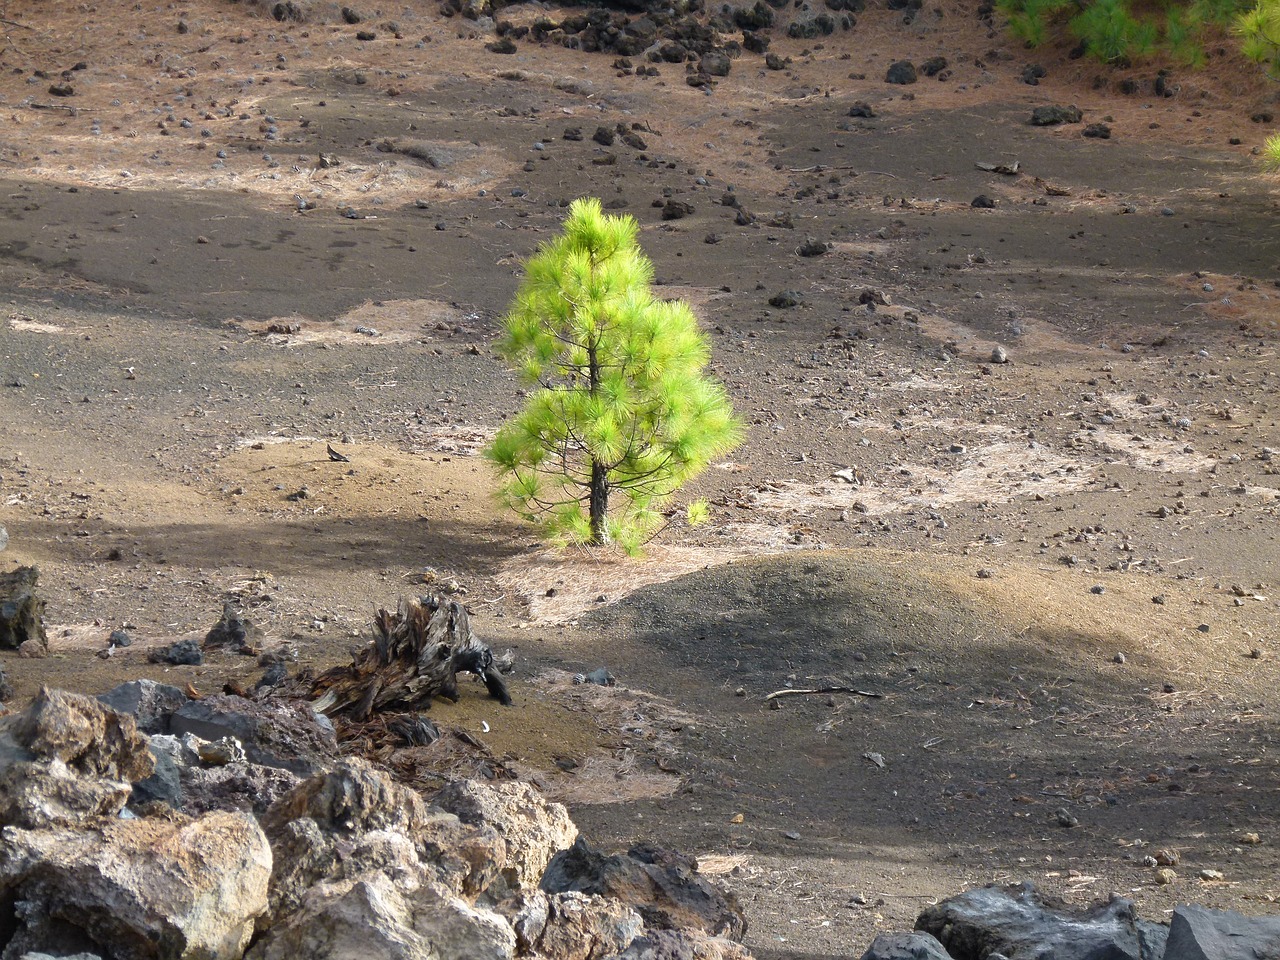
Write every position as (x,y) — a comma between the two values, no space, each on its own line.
(22,613)
(416,655)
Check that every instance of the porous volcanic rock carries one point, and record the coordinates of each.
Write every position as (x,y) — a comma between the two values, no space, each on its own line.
(67,757)
(138,889)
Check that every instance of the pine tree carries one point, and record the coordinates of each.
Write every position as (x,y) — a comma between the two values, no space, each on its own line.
(621,405)
(1259,30)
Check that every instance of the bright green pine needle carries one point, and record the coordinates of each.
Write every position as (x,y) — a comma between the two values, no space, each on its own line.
(624,387)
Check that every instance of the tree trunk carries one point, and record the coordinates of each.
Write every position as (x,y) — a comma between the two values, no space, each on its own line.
(599,504)
(415,656)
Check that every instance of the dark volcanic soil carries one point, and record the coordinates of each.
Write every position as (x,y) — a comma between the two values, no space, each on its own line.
(972,541)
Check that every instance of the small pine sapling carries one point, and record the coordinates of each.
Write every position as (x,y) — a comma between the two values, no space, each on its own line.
(621,403)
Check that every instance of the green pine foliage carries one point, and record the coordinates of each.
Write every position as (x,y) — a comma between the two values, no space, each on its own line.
(1182,35)
(1111,33)
(621,403)
(1259,31)
(1029,20)
(1121,31)
(1271,154)
(1223,13)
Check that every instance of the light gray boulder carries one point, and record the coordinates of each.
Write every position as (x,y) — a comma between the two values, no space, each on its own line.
(148,702)
(1016,922)
(532,829)
(905,946)
(67,757)
(275,733)
(386,915)
(355,822)
(1198,933)
(176,889)
(571,926)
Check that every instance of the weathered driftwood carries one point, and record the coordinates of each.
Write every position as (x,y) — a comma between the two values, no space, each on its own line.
(416,655)
(795,692)
(22,613)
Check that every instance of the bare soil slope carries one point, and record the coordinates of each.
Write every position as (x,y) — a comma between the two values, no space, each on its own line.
(239,241)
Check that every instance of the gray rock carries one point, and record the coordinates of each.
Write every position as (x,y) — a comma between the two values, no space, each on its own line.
(664,886)
(180,653)
(165,784)
(22,613)
(905,946)
(148,702)
(275,733)
(249,787)
(1198,933)
(376,917)
(49,956)
(142,888)
(1051,116)
(676,210)
(808,26)
(933,66)
(901,72)
(714,64)
(355,822)
(1033,73)
(233,630)
(532,829)
(812,247)
(562,924)
(67,757)
(4,537)
(682,945)
(1016,922)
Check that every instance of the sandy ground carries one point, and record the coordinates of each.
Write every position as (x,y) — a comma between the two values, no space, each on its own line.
(183,333)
